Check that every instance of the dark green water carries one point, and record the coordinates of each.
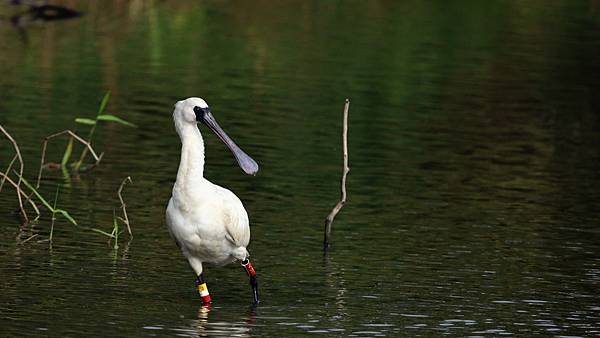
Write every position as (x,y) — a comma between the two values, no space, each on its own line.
(474,194)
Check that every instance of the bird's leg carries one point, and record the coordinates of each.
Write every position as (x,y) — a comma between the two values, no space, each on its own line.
(203,290)
(253,281)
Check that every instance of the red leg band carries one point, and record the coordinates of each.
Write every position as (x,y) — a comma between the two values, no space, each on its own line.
(249,269)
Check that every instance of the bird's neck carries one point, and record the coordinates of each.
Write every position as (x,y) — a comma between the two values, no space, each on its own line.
(191,165)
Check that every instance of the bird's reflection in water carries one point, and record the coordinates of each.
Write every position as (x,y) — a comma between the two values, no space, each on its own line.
(251,317)
(202,323)
(204,327)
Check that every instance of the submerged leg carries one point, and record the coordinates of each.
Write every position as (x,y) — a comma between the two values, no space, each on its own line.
(253,281)
(203,290)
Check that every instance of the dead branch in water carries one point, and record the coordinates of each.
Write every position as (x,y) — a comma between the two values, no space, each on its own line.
(23,213)
(345,170)
(73,136)
(124,219)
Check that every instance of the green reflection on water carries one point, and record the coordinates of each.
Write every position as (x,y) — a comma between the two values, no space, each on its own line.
(473,194)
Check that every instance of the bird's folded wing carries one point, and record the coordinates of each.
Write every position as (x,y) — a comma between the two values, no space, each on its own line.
(235,219)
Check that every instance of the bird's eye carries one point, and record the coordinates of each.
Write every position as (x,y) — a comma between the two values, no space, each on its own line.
(200,112)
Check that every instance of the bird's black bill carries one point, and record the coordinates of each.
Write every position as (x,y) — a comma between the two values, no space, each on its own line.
(248,165)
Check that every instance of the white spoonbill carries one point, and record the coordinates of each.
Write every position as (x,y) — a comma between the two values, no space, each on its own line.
(208,222)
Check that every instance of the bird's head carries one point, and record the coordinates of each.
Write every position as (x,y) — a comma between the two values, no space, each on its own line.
(193,110)
(190,110)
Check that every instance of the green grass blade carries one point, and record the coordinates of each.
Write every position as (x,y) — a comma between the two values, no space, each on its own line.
(101,232)
(113,118)
(67,154)
(54,214)
(46,204)
(36,193)
(104,102)
(66,215)
(83,120)
(115,230)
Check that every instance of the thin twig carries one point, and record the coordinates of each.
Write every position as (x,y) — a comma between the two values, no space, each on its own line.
(73,135)
(345,170)
(7,171)
(5,177)
(30,238)
(24,219)
(123,206)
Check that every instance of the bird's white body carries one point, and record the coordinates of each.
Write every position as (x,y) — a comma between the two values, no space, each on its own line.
(208,222)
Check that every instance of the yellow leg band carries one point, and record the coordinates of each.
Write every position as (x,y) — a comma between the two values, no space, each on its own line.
(203,289)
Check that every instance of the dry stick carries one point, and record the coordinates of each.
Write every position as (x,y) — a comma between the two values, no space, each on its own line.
(30,238)
(8,170)
(75,136)
(24,219)
(5,177)
(345,170)
(126,220)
